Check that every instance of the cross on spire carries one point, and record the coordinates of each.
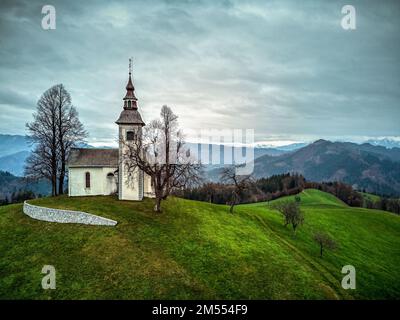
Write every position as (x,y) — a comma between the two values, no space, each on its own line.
(130,66)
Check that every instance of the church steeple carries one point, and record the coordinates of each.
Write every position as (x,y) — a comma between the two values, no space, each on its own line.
(130,114)
(130,100)
(130,123)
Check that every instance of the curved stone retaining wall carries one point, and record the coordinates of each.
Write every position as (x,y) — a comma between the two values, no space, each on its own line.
(65,216)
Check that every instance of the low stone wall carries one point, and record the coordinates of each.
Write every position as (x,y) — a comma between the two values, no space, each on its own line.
(65,216)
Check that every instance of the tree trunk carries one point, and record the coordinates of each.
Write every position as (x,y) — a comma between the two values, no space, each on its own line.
(53,185)
(54,153)
(320,251)
(62,147)
(54,174)
(62,172)
(61,179)
(157,207)
(233,202)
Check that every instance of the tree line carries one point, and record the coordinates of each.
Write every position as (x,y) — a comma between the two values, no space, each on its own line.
(264,189)
(55,129)
(280,185)
(386,204)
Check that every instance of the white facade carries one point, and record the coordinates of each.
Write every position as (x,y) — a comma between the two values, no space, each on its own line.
(102,181)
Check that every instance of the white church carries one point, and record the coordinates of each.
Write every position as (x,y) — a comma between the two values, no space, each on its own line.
(102,171)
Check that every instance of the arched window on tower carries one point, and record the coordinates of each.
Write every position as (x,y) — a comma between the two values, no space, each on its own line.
(87,180)
(129,103)
(130,135)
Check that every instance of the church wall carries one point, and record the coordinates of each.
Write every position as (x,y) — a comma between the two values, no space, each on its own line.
(100,183)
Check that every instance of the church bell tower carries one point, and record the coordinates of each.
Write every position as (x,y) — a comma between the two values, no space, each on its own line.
(130,123)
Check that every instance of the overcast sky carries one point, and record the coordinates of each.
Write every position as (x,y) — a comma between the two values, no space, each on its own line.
(285,68)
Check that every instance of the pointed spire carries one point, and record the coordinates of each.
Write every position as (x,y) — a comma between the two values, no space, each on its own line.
(130,98)
(130,114)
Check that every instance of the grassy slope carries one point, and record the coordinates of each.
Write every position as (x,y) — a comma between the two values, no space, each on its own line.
(198,250)
(368,239)
(370,196)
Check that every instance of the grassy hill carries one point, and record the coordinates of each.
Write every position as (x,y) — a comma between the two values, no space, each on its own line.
(370,196)
(196,250)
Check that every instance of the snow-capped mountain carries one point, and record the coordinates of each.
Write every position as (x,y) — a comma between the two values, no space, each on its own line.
(385,142)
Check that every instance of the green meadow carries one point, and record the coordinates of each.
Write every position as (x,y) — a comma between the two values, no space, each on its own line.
(197,250)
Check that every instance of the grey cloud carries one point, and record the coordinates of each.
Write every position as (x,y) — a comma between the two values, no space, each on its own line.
(285,68)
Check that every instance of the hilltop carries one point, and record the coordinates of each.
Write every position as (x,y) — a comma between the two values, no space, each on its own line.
(197,250)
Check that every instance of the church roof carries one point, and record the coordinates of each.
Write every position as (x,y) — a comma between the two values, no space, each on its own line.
(80,157)
(130,116)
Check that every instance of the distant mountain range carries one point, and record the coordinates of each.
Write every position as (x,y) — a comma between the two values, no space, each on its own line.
(373,166)
(14,163)
(14,149)
(368,167)
(10,184)
(364,166)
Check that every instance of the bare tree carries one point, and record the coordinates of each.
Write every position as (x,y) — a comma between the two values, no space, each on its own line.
(70,131)
(158,150)
(291,212)
(43,133)
(238,182)
(54,130)
(324,241)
